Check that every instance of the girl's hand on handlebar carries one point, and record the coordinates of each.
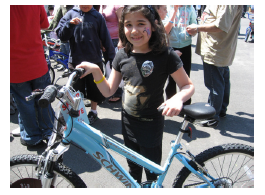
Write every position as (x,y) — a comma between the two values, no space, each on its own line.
(89,67)
(172,107)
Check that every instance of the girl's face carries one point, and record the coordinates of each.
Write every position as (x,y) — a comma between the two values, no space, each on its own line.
(138,31)
(162,11)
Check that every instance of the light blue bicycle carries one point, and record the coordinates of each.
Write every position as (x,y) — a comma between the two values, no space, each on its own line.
(225,166)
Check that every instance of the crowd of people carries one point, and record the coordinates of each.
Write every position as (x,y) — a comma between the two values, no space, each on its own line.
(154,48)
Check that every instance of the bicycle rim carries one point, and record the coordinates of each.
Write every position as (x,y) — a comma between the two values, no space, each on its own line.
(231,170)
(24,176)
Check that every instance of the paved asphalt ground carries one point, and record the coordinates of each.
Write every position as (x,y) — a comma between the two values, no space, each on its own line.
(237,127)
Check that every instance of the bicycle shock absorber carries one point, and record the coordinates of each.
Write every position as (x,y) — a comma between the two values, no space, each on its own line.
(49,175)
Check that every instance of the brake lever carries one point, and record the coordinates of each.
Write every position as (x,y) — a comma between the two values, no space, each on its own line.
(34,93)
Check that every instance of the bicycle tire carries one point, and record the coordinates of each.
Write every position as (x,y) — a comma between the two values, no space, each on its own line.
(52,74)
(23,174)
(247,34)
(237,175)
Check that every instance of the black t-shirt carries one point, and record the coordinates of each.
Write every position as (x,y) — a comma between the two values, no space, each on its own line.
(144,77)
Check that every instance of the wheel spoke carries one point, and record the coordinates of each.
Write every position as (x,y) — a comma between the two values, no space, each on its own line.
(232,166)
(229,175)
(245,173)
(238,170)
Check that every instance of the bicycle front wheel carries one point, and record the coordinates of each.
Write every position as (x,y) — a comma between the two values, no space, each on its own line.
(23,174)
(232,166)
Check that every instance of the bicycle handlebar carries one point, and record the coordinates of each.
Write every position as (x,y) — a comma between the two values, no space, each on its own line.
(51,91)
(48,96)
(56,42)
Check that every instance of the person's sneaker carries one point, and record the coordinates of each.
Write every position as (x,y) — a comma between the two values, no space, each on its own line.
(222,115)
(92,117)
(210,123)
(38,145)
(16,132)
(87,102)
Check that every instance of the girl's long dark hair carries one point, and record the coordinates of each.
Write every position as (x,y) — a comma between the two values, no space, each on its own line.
(158,40)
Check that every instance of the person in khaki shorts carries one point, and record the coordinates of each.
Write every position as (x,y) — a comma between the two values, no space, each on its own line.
(216,44)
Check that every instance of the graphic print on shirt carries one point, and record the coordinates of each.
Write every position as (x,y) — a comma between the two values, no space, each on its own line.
(135,99)
(147,68)
(183,19)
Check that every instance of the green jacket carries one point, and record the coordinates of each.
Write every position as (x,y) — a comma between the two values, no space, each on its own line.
(60,13)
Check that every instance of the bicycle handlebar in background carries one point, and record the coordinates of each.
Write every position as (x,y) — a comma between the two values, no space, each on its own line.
(250,16)
(56,42)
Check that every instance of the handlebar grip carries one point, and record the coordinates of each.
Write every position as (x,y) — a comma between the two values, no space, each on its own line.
(79,71)
(48,96)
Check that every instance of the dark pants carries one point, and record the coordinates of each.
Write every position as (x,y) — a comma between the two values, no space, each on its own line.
(88,87)
(34,121)
(217,80)
(154,154)
(171,88)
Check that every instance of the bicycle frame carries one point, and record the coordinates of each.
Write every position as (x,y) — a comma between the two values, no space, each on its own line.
(92,141)
(52,55)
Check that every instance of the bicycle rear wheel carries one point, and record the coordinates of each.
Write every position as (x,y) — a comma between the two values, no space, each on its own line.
(232,165)
(23,174)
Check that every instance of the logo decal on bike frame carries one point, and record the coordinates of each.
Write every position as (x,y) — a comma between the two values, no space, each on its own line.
(111,167)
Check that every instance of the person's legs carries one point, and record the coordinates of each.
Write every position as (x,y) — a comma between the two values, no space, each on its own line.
(134,169)
(31,130)
(226,98)
(94,95)
(154,154)
(45,115)
(215,82)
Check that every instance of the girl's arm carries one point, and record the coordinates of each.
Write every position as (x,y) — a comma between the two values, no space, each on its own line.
(106,87)
(193,29)
(174,105)
(169,25)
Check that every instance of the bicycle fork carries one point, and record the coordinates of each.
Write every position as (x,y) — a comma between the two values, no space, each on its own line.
(47,176)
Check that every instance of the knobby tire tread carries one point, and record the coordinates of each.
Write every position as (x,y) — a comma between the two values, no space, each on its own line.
(208,154)
(59,168)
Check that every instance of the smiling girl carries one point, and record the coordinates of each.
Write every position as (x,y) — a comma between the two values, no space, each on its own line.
(144,64)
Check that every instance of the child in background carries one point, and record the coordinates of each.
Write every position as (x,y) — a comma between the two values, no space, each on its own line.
(144,64)
(86,29)
(178,18)
(161,10)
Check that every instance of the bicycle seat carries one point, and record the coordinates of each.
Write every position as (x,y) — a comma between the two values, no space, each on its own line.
(198,110)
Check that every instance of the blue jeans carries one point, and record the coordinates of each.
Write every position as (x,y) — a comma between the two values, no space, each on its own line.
(217,80)
(32,127)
